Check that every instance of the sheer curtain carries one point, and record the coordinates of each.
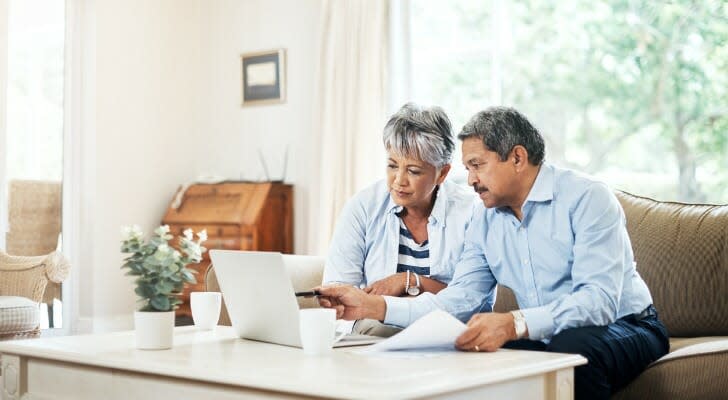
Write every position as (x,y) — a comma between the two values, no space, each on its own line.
(351,109)
(3,106)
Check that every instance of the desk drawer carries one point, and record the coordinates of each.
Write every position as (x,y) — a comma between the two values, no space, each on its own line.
(212,230)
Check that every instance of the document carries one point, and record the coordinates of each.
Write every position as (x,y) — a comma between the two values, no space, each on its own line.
(436,330)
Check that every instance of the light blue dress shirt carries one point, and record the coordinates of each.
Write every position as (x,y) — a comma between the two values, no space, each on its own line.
(365,244)
(569,262)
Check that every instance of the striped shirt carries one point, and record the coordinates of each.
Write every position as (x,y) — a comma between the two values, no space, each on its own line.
(412,256)
(365,245)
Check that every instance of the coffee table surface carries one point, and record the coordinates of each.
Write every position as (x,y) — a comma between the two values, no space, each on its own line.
(220,357)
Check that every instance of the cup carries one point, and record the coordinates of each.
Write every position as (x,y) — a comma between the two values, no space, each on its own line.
(205,309)
(318,330)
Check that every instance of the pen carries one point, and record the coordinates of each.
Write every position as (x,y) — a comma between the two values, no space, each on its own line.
(310,293)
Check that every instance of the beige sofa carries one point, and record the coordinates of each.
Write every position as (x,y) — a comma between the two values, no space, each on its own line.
(682,253)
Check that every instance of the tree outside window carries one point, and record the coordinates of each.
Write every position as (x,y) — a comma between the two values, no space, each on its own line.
(634,93)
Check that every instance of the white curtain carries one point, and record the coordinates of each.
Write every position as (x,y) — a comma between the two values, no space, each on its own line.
(351,110)
(3,107)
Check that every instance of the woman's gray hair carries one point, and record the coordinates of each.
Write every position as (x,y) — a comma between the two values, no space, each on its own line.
(421,133)
(503,128)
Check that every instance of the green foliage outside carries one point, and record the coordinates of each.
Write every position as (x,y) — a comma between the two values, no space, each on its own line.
(634,92)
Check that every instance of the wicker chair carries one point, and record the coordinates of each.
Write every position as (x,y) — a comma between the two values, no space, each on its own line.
(22,283)
(34,222)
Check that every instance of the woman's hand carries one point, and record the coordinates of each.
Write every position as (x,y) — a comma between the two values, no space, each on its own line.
(392,285)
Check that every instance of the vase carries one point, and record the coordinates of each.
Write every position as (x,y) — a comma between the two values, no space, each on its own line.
(153,329)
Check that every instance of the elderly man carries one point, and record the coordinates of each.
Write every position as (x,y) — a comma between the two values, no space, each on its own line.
(559,240)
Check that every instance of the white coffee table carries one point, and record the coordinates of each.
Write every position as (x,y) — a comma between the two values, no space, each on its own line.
(218,365)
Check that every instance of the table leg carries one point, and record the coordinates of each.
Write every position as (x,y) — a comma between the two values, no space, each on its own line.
(560,385)
(15,377)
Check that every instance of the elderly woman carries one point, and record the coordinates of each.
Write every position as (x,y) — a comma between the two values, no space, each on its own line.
(403,236)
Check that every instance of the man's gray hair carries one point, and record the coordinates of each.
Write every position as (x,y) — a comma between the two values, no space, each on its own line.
(420,133)
(503,128)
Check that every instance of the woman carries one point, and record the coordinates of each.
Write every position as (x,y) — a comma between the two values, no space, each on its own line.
(403,236)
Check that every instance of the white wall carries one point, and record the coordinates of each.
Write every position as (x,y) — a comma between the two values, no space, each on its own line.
(167,110)
(147,111)
(234,133)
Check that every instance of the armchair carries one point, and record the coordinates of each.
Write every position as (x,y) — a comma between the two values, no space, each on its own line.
(22,283)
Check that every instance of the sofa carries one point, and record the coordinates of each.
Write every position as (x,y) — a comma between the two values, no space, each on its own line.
(681,251)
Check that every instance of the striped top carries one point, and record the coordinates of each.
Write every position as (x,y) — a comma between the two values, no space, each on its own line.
(412,256)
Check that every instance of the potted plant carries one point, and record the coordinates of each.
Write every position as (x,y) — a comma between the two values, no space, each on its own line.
(161,273)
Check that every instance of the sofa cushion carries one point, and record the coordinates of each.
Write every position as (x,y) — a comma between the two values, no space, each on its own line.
(695,374)
(681,251)
(18,315)
(695,347)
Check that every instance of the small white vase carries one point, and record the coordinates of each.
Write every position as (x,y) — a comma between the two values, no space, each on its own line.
(154,329)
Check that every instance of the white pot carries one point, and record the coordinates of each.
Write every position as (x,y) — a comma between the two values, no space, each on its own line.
(154,329)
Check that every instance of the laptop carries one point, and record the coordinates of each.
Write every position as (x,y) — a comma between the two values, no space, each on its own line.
(260,299)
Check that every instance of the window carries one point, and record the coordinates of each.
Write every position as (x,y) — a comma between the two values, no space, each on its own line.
(33,135)
(634,93)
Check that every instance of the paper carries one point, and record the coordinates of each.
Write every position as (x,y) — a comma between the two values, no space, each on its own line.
(436,330)
(263,74)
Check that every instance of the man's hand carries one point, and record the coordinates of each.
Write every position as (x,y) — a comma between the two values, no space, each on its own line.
(487,332)
(392,285)
(352,303)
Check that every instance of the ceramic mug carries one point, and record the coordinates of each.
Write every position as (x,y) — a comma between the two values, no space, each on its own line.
(205,309)
(318,330)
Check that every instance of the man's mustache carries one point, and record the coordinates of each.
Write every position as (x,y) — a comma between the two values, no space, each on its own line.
(479,189)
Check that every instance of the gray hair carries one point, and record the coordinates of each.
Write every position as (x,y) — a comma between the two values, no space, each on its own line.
(503,128)
(421,133)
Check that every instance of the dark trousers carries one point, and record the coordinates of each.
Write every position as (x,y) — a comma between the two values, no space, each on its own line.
(617,353)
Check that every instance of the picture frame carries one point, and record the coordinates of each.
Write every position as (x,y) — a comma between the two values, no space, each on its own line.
(263,77)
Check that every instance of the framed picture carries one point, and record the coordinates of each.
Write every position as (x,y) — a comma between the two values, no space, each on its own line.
(264,77)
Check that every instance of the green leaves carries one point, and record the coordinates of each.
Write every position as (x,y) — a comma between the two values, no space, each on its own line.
(160,270)
(161,303)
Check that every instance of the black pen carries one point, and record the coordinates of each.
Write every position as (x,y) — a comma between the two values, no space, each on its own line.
(310,293)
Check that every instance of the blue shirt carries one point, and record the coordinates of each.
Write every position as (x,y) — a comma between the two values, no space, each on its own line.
(365,244)
(569,262)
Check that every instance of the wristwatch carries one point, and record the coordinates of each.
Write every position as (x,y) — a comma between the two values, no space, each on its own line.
(520,323)
(414,290)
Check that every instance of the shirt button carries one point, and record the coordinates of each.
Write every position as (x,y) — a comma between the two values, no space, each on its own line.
(525,261)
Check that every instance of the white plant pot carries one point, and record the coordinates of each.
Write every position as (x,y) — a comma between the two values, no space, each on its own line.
(154,329)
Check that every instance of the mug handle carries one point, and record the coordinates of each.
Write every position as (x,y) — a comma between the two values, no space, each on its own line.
(339,336)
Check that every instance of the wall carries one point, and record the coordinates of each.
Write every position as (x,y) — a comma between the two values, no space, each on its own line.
(166,80)
(145,123)
(234,134)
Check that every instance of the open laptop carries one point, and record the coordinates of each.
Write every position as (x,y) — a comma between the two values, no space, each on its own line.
(260,298)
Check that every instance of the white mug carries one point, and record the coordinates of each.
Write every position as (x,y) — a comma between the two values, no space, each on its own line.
(318,330)
(205,309)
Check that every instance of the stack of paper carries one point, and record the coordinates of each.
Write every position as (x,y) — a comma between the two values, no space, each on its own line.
(436,330)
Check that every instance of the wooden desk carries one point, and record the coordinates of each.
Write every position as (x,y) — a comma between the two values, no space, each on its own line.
(217,365)
(237,216)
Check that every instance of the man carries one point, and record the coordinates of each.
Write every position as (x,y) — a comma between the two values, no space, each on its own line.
(559,241)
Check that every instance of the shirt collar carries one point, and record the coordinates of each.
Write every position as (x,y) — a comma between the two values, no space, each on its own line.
(541,191)
(438,210)
(543,187)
